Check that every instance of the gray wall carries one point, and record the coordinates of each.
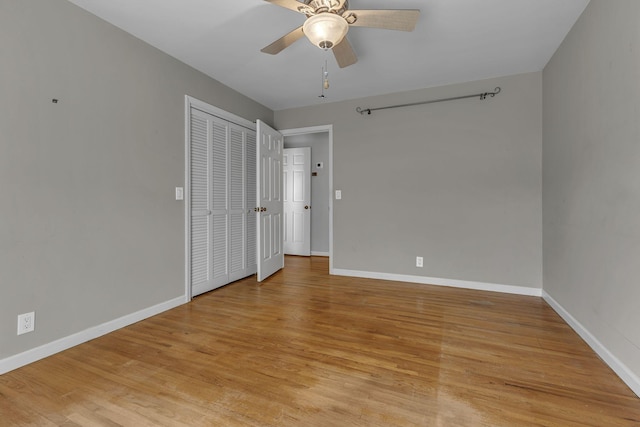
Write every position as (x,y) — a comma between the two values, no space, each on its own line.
(319,143)
(591,176)
(458,183)
(89,228)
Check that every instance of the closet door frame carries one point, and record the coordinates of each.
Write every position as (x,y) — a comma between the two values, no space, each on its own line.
(190,103)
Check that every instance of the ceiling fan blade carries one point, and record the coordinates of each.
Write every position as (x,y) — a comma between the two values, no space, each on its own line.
(294,5)
(344,53)
(403,19)
(284,41)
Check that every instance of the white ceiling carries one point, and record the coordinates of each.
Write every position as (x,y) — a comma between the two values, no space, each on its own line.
(454,41)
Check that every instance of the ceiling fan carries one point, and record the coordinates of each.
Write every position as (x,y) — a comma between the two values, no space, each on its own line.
(328,21)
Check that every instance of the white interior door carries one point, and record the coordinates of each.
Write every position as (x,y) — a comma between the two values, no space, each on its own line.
(251,203)
(237,203)
(296,167)
(270,200)
(219,176)
(201,236)
(209,212)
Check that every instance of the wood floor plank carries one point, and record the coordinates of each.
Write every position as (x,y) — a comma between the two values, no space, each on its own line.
(307,349)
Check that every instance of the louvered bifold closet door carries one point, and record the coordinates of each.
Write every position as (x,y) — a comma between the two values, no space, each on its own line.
(251,202)
(237,211)
(223,196)
(200,236)
(220,201)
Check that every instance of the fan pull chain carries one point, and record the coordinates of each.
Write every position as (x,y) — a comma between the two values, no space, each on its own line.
(325,79)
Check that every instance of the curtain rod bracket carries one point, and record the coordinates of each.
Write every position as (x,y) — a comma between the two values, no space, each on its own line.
(491,94)
(482,96)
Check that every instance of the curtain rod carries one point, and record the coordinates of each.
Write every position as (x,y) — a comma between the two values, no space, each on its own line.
(482,96)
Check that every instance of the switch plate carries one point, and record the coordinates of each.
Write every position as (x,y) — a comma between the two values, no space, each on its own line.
(338,194)
(179,193)
(419,262)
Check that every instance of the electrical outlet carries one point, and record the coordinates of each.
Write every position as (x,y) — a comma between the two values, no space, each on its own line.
(26,322)
(419,262)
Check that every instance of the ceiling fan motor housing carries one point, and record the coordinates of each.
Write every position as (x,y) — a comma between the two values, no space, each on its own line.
(314,7)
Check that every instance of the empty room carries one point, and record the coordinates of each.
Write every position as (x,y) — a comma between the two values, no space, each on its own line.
(319,213)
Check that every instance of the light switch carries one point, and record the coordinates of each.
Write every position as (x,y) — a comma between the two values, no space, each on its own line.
(179,193)
(338,194)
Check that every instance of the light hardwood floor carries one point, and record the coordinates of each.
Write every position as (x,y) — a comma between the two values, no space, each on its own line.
(308,349)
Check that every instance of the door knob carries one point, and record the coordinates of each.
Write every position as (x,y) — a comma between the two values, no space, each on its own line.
(256,209)
(263,209)
(307,207)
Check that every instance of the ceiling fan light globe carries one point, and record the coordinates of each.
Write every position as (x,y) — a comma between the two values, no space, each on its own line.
(325,30)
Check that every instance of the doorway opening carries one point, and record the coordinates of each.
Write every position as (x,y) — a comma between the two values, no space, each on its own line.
(320,140)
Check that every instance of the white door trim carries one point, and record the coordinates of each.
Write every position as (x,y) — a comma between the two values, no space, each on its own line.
(190,102)
(329,130)
(218,112)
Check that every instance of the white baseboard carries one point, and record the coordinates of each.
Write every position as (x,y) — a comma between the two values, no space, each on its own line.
(14,362)
(625,374)
(318,253)
(492,287)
